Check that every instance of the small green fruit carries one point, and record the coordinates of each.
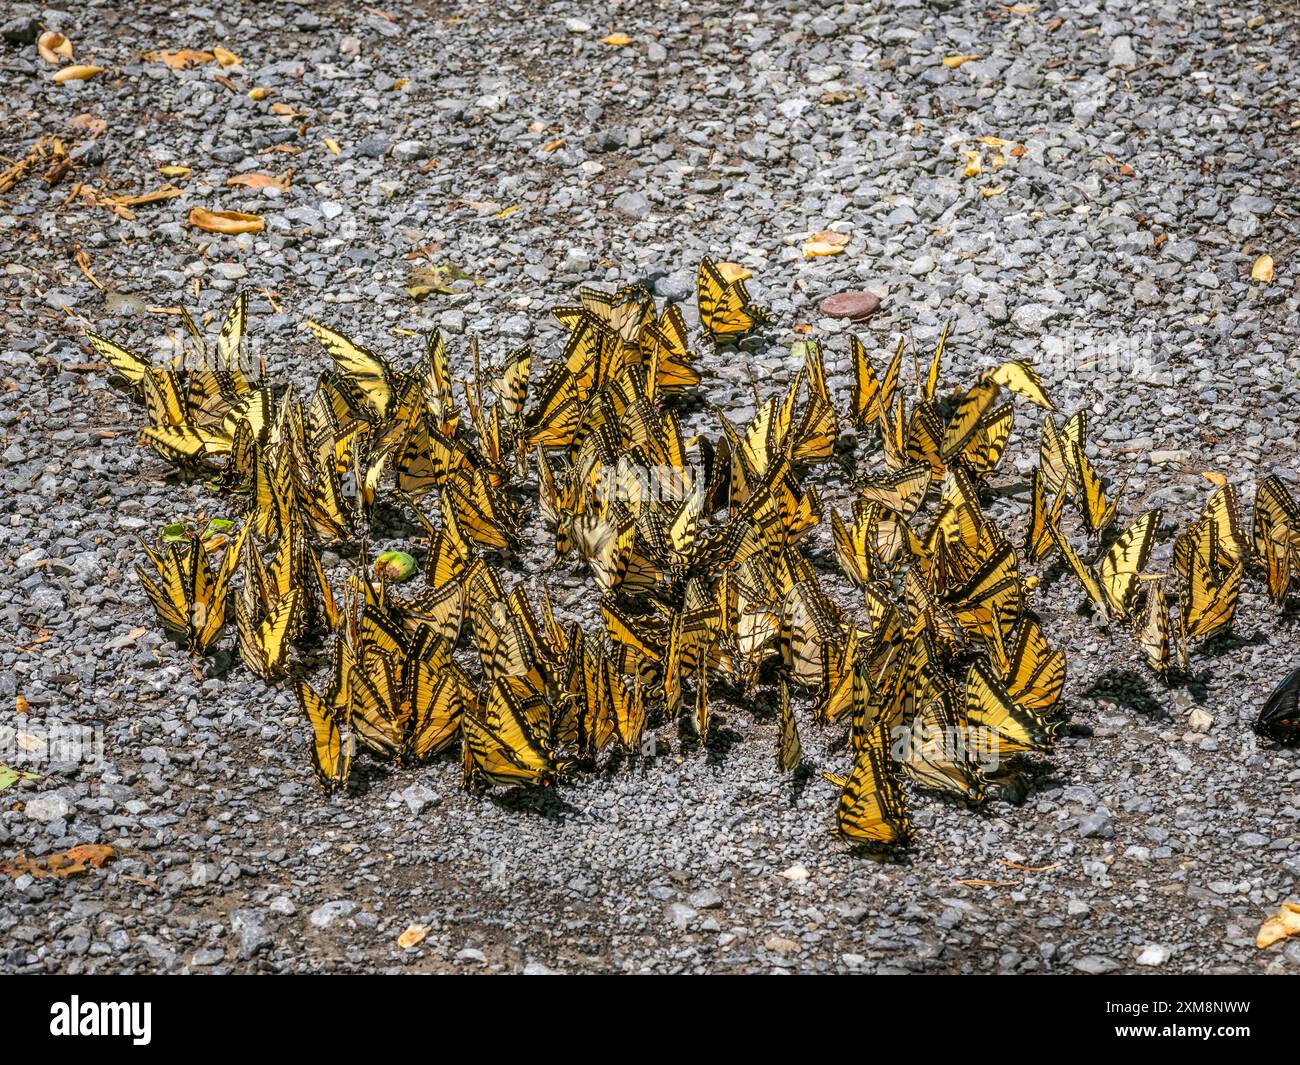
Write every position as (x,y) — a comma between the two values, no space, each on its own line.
(394,566)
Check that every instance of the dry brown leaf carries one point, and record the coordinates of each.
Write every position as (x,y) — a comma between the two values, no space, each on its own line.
(54,47)
(1031,868)
(180,60)
(994,142)
(616,40)
(1214,477)
(1017,151)
(551,146)
(1263,269)
(1282,925)
(952,62)
(43,636)
(59,866)
(46,152)
(989,193)
(228,222)
(226,58)
(82,259)
(91,124)
(287,110)
(826,242)
(78,73)
(95,854)
(262,181)
(413,936)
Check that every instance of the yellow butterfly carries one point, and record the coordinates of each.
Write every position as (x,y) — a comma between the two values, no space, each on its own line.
(188,596)
(1014,727)
(789,751)
(331,753)
(1111,586)
(726,311)
(872,807)
(1275,536)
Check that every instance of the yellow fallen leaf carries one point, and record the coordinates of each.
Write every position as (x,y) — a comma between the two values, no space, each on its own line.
(825,243)
(508,211)
(186,57)
(22,706)
(734,272)
(166,191)
(551,146)
(174,171)
(260,92)
(413,936)
(76,73)
(1285,923)
(332,145)
(229,222)
(54,47)
(974,882)
(998,161)
(1019,9)
(972,166)
(1263,269)
(1214,477)
(989,193)
(225,58)
(616,40)
(952,62)
(262,181)
(993,142)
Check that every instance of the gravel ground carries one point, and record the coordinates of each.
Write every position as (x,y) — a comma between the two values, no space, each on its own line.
(1159,162)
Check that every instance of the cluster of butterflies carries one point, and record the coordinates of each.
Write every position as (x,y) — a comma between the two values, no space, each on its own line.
(697,544)
(1209,561)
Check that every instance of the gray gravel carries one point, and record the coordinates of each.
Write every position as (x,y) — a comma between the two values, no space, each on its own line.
(1159,162)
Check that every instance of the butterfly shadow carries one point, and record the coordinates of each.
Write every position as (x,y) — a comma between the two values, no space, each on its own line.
(719,743)
(366,774)
(1227,642)
(881,854)
(1025,777)
(1130,689)
(392,521)
(799,781)
(544,803)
